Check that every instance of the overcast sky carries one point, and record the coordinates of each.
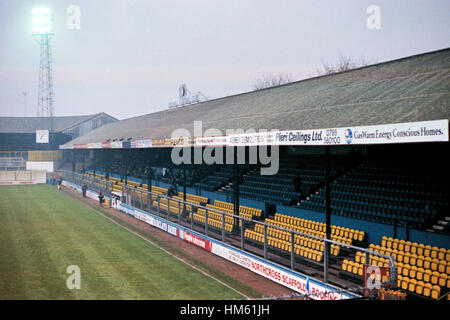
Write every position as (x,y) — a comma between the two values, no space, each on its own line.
(129,57)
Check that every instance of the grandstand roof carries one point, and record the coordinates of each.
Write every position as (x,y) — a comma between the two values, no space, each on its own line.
(31,124)
(410,89)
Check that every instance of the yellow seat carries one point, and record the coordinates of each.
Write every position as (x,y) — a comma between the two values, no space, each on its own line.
(360,270)
(363,258)
(442,266)
(427,276)
(394,254)
(413,272)
(407,257)
(405,270)
(434,252)
(360,236)
(399,281)
(435,292)
(420,249)
(441,254)
(419,262)
(389,241)
(443,280)
(427,250)
(346,233)
(419,287)
(427,289)
(419,273)
(414,248)
(319,257)
(427,263)
(401,245)
(395,244)
(399,268)
(407,246)
(434,277)
(405,283)
(383,241)
(412,285)
(434,264)
(413,259)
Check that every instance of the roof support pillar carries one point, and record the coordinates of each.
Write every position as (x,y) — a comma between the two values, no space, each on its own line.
(83,159)
(108,166)
(149,176)
(236,188)
(73,160)
(93,161)
(126,170)
(184,187)
(327,212)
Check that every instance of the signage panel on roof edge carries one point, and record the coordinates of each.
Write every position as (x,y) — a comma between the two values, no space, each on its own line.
(409,132)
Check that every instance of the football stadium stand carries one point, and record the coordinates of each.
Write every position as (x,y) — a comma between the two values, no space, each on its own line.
(382,194)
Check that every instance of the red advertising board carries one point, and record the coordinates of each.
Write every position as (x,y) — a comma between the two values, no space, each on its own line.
(195,240)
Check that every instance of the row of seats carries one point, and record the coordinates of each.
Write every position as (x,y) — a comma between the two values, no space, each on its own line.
(413,259)
(244,211)
(302,241)
(360,214)
(425,275)
(416,248)
(306,231)
(374,260)
(368,205)
(213,221)
(305,252)
(419,287)
(320,227)
(216,216)
(371,192)
(174,207)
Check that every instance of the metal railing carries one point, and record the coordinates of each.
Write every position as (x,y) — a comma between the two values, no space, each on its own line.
(216,224)
(93,183)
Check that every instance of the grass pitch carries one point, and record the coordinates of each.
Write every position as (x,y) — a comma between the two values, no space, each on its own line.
(42,232)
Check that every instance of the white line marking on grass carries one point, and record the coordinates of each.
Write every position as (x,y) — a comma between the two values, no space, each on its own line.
(169,253)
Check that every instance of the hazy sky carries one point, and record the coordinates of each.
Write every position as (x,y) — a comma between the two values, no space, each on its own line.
(129,57)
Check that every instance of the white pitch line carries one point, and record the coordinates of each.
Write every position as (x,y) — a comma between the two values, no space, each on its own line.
(169,253)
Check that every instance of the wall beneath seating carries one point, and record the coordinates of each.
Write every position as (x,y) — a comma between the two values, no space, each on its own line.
(375,231)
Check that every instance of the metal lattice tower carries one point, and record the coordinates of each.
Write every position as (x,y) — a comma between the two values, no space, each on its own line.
(43,32)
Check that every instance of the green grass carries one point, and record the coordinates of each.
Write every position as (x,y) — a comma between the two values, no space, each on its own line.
(42,232)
